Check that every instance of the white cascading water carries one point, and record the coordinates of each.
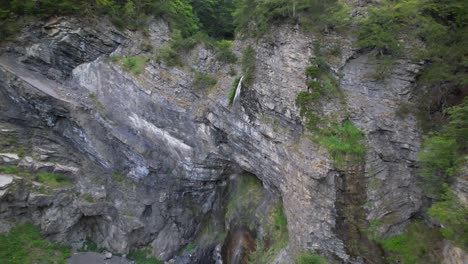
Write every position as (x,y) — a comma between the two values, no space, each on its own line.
(238,90)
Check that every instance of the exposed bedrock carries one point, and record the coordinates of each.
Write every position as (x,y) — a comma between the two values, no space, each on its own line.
(155,154)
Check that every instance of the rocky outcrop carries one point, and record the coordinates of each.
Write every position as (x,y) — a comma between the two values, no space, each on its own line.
(155,154)
(453,255)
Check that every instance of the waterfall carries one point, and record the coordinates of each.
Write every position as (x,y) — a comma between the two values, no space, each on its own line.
(238,90)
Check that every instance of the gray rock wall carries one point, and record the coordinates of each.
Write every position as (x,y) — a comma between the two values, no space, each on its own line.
(175,147)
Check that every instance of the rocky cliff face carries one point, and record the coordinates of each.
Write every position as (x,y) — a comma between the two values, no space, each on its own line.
(155,154)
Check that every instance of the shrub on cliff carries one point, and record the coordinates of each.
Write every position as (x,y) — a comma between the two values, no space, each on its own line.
(248,65)
(453,216)
(443,152)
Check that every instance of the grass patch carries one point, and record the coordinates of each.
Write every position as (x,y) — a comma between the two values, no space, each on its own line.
(24,244)
(9,169)
(416,245)
(310,258)
(345,143)
(9,143)
(134,65)
(88,198)
(8,140)
(53,180)
(143,257)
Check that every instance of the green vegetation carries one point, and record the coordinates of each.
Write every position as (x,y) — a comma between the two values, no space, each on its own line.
(143,257)
(261,255)
(384,68)
(168,55)
(417,245)
(248,66)
(345,143)
(100,108)
(24,244)
(131,14)
(9,143)
(178,44)
(390,29)
(88,198)
(277,237)
(321,83)
(53,180)
(453,216)
(306,102)
(9,169)
(443,152)
(118,177)
(256,17)
(203,81)
(16,171)
(134,65)
(232,91)
(312,72)
(224,51)
(310,258)
(380,30)
(243,200)
(280,227)
(187,247)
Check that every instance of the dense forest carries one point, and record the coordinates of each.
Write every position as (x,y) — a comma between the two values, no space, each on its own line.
(387,30)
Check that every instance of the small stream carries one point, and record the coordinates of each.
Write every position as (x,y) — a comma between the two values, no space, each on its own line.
(237,247)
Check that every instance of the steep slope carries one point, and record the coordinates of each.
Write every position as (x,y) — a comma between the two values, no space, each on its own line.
(155,154)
